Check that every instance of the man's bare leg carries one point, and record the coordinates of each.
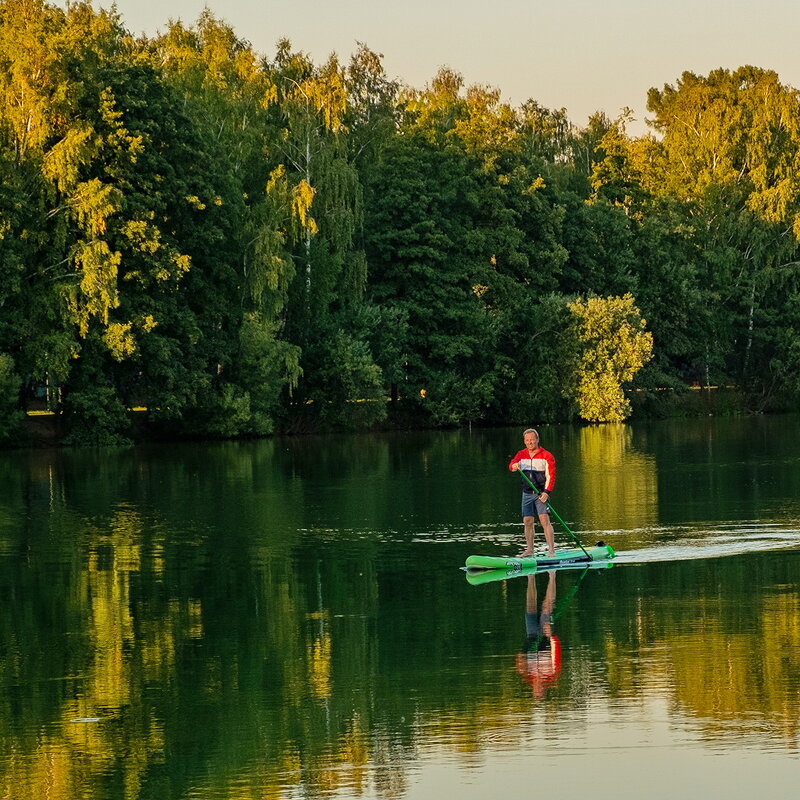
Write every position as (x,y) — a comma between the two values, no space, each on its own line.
(549,534)
(530,534)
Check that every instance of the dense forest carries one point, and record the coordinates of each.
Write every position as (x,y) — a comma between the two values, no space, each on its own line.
(244,244)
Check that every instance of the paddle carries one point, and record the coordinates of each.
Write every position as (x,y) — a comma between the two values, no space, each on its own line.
(555,514)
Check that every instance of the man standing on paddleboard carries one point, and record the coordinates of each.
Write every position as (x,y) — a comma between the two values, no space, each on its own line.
(539,466)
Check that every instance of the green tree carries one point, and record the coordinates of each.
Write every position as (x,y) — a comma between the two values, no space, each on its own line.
(312,103)
(426,264)
(543,352)
(10,383)
(729,153)
(312,112)
(615,346)
(61,210)
(373,110)
(230,95)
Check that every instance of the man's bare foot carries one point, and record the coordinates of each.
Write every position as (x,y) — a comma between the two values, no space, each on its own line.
(525,554)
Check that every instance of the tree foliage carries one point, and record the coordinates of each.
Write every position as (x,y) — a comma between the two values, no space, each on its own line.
(246,244)
(615,346)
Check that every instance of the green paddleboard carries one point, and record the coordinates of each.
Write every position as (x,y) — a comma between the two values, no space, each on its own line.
(599,552)
(477,575)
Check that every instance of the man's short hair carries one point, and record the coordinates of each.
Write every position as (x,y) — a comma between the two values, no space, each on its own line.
(530,430)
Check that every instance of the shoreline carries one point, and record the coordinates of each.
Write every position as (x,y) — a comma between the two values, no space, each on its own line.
(47,429)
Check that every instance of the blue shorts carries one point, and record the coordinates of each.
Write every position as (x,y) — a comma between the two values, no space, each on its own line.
(535,622)
(532,506)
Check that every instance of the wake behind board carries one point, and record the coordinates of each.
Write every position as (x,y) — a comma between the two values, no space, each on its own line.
(600,552)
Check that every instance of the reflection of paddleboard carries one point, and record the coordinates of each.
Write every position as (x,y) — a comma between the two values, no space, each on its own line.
(600,552)
(477,576)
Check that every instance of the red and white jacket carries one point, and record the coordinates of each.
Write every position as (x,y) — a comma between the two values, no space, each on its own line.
(540,469)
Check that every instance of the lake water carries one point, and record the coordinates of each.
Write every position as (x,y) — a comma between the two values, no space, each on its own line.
(288,618)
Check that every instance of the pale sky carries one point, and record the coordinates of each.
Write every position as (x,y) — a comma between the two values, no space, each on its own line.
(575,54)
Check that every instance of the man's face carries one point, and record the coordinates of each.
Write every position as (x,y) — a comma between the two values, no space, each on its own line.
(531,441)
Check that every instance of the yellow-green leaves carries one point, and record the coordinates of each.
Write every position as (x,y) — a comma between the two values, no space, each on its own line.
(489,127)
(64,160)
(615,346)
(120,337)
(269,226)
(93,202)
(119,137)
(302,198)
(119,340)
(97,266)
(327,95)
(730,138)
(27,85)
(314,149)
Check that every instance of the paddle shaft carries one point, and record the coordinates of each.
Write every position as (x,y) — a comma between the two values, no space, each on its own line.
(554,513)
(562,606)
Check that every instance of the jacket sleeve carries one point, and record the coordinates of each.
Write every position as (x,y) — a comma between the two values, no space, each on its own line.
(515,460)
(550,481)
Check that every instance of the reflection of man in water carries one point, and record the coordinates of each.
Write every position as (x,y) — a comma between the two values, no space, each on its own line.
(540,660)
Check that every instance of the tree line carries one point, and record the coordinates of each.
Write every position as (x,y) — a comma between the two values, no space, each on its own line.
(244,244)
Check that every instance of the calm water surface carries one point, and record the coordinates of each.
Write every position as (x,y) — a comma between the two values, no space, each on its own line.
(288,619)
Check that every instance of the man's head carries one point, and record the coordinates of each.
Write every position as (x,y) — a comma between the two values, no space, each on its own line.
(531,438)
